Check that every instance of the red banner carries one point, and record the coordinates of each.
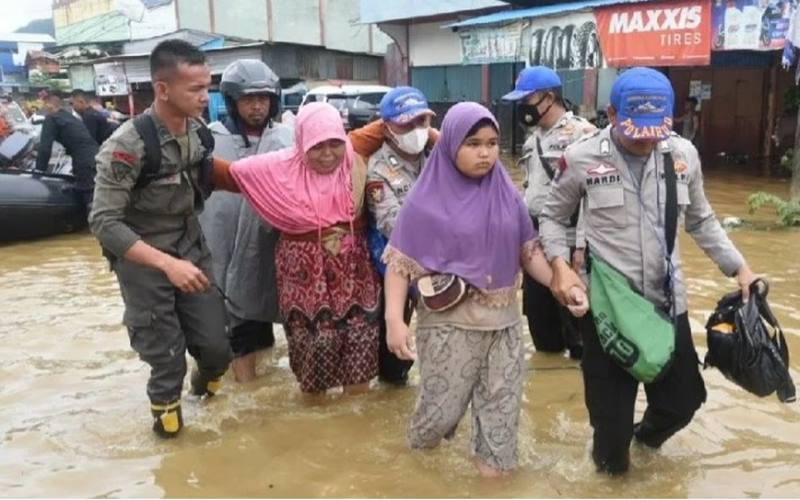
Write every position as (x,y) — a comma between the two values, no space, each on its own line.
(656,34)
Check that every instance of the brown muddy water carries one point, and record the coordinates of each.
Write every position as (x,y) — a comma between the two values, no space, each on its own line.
(74,417)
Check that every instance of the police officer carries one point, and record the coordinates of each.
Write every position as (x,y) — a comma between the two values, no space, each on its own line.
(552,128)
(149,190)
(391,173)
(619,176)
(242,245)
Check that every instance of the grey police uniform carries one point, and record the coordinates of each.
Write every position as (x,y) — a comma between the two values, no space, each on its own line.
(624,225)
(162,321)
(552,142)
(389,180)
(242,244)
(551,326)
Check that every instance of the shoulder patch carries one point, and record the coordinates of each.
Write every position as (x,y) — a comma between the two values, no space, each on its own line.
(562,166)
(375,191)
(123,157)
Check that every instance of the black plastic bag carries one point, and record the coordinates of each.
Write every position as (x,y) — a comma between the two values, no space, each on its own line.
(746,343)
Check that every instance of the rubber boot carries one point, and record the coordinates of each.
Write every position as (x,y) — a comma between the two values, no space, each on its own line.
(167,419)
(204,386)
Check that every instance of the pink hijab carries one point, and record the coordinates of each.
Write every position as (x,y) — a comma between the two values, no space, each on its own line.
(287,192)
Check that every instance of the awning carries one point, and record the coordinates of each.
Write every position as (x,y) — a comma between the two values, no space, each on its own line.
(546,10)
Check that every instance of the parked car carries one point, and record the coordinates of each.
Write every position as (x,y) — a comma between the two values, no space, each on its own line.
(292,97)
(357,104)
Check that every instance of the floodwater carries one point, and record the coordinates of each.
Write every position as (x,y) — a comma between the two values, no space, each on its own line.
(74,417)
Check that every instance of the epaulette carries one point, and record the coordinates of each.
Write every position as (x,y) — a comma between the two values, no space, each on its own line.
(588,136)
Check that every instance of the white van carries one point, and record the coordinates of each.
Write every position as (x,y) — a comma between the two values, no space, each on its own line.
(357,104)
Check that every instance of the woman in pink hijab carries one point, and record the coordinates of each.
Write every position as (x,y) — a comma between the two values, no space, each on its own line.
(327,288)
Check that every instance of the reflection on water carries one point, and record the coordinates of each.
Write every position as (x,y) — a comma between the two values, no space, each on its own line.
(74,415)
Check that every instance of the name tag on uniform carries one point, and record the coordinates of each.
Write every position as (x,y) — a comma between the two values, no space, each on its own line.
(170,180)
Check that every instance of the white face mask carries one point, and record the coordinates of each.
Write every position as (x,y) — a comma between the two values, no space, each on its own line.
(412,142)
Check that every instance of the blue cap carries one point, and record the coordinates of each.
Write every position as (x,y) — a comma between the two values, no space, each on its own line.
(532,80)
(643,99)
(402,104)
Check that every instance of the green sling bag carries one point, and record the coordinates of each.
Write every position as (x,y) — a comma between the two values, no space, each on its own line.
(636,333)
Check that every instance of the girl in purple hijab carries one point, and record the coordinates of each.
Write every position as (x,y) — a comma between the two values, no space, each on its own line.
(464,217)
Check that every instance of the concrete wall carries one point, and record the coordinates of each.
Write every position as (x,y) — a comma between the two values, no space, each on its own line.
(293,21)
(86,21)
(430,45)
(80,10)
(194,15)
(296,21)
(155,22)
(342,28)
(242,18)
(375,11)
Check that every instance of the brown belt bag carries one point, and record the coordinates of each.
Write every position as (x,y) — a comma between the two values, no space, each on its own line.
(440,292)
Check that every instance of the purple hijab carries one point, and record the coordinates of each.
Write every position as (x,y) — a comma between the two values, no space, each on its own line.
(450,223)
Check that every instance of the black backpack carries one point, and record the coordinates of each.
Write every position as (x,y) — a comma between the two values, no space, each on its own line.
(151,169)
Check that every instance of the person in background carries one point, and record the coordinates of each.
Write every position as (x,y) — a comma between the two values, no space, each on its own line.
(61,126)
(98,125)
(689,120)
(242,244)
(543,112)
(391,173)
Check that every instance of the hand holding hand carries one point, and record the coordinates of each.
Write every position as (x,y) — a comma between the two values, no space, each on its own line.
(579,305)
(564,279)
(399,340)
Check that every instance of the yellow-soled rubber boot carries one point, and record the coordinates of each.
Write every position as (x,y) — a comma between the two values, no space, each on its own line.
(167,419)
(203,386)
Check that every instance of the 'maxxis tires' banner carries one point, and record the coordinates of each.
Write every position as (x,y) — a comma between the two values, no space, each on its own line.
(674,33)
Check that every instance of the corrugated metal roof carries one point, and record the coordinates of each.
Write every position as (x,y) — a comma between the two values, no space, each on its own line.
(380,11)
(546,10)
(27,37)
(195,37)
(137,66)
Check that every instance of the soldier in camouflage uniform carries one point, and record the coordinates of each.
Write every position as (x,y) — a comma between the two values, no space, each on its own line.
(146,222)
(392,172)
(552,129)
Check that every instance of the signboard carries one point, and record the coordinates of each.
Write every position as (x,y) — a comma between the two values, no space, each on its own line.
(565,42)
(492,45)
(674,33)
(751,24)
(110,79)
